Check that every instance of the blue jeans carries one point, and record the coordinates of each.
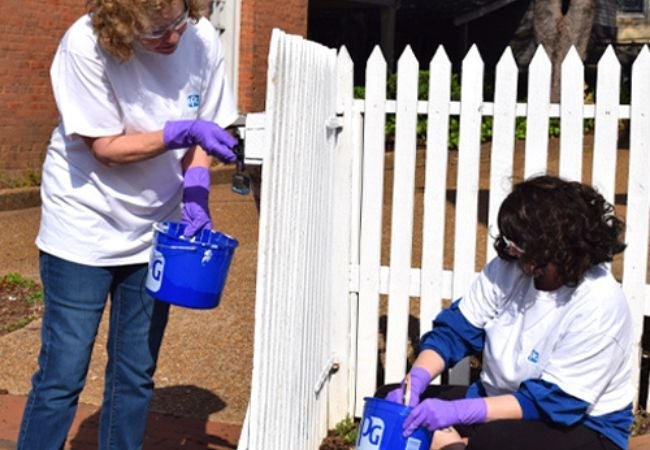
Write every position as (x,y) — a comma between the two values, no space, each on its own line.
(75,296)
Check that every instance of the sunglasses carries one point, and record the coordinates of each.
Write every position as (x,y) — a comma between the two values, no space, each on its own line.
(512,246)
(176,25)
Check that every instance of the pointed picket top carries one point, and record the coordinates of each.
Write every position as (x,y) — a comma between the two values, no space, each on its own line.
(407,58)
(572,60)
(345,80)
(473,57)
(472,71)
(439,87)
(440,57)
(376,69)
(507,61)
(540,58)
(376,58)
(641,63)
(343,54)
(439,74)
(608,58)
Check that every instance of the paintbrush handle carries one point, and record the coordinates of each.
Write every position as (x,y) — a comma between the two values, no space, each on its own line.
(407,390)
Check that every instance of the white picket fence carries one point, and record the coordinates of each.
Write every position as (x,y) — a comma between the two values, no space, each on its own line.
(321,281)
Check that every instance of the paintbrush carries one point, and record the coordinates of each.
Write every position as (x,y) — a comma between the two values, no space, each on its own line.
(407,390)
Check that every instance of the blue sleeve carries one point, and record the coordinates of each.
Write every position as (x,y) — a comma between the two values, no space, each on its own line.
(453,337)
(541,400)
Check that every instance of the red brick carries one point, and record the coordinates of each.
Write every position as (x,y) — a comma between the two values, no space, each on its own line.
(31,30)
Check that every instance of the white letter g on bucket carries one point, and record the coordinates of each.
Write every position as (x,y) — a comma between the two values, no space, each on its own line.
(370,434)
(156,269)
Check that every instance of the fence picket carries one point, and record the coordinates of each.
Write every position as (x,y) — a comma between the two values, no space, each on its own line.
(435,189)
(503,140)
(539,91)
(469,155)
(571,120)
(606,124)
(638,204)
(345,238)
(401,237)
(371,226)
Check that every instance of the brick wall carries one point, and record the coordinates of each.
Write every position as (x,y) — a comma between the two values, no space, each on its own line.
(30,32)
(258,18)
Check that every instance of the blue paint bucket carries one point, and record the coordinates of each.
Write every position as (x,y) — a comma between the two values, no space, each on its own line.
(189,272)
(381,428)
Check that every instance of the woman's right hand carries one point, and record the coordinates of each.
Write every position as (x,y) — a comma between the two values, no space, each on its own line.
(211,137)
(420,380)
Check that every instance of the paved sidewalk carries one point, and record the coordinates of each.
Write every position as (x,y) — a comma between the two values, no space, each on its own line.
(164,432)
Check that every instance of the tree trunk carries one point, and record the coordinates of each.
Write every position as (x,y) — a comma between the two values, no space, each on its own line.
(557,30)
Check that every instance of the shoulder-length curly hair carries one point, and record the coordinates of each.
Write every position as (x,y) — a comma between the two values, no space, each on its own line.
(562,222)
(118,23)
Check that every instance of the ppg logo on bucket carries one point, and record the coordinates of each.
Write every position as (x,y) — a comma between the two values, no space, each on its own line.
(156,269)
(370,434)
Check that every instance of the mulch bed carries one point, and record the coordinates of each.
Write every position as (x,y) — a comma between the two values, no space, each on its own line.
(20,303)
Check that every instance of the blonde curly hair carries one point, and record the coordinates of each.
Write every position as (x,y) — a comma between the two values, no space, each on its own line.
(118,23)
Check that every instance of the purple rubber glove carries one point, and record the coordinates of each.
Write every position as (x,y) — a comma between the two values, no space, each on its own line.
(434,414)
(420,379)
(211,137)
(196,189)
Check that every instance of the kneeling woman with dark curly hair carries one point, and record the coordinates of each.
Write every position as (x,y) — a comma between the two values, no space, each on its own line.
(554,327)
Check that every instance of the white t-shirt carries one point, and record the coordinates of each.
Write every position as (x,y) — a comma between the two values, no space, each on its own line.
(102,216)
(578,338)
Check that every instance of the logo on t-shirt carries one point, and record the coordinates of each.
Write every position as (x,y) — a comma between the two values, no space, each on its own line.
(534,356)
(193,100)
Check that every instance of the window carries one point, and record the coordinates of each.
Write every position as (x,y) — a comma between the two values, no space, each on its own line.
(631,6)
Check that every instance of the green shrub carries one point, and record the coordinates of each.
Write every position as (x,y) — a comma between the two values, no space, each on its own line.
(348,430)
(454,120)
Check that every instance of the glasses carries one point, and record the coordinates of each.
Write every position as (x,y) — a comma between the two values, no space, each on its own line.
(512,246)
(176,25)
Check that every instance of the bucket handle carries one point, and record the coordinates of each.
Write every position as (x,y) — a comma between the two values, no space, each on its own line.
(191,240)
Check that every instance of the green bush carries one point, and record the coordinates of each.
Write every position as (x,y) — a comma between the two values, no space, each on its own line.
(454,120)
(348,430)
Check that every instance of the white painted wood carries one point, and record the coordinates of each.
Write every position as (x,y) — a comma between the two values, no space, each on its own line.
(571,120)
(606,124)
(401,238)
(371,227)
(539,91)
(638,203)
(344,247)
(468,171)
(469,156)
(521,110)
(294,292)
(503,141)
(435,189)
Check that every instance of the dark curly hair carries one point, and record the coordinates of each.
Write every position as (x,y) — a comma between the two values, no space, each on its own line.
(118,23)
(566,223)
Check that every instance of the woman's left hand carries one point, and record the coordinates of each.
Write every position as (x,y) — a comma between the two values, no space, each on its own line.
(196,191)
(435,414)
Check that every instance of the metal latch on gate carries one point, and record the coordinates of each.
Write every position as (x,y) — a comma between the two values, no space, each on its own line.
(331,366)
(335,122)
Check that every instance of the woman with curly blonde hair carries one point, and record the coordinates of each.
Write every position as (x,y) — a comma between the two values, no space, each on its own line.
(553,326)
(143,100)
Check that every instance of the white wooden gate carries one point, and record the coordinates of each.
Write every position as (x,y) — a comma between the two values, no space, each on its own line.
(323,282)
